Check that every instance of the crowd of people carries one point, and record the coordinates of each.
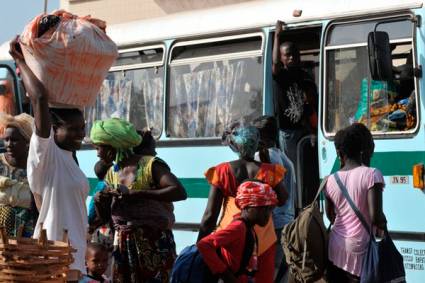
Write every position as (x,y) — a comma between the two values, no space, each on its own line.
(43,187)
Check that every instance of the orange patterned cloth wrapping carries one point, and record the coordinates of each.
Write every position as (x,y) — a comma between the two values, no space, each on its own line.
(70,59)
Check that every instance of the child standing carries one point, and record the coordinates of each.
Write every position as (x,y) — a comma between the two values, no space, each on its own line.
(96,263)
(256,201)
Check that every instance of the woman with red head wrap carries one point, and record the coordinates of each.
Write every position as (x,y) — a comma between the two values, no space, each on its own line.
(233,263)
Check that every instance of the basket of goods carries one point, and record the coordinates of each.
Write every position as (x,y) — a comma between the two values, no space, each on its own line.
(34,260)
(70,55)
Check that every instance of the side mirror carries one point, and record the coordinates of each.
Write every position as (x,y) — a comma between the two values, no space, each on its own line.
(380,62)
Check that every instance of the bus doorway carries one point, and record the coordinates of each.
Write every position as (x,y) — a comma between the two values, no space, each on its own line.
(295,69)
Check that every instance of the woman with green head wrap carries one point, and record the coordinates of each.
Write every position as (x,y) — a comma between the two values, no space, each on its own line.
(225,178)
(141,189)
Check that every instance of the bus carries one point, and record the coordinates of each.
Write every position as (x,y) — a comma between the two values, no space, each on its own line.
(188,75)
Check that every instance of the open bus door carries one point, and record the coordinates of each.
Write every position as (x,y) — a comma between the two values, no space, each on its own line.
(307,39)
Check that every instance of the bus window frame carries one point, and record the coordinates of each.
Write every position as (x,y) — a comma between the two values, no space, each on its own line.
(89,145)
(158,63)
(18,102)
(376,135)
(208,141)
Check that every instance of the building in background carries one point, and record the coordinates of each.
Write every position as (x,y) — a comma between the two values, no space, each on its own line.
(119,11)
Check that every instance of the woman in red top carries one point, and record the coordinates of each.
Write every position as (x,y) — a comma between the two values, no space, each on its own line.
(256,200)
(225,179)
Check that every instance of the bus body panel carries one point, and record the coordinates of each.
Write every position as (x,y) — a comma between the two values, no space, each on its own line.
(394,156)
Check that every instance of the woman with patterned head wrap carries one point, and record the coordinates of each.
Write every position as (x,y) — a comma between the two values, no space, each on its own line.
(17,206)
(141,189)
(225,179)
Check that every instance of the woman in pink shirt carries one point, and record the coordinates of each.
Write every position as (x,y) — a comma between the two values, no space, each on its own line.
(348,239)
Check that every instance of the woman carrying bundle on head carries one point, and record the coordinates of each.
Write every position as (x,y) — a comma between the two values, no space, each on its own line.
(140,191)
(59,186)
(225,179)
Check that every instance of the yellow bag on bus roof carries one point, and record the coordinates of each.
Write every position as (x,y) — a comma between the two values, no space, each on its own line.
(71,58)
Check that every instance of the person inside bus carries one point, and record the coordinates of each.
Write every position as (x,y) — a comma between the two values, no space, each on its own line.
(392,102)
(59,186)
(17,206)
(348,239)
(225,179)
(141,190)
(282,215)
(236,261)
(296,99)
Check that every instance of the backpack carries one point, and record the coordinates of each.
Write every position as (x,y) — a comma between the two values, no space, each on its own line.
(305,243)
(190,267)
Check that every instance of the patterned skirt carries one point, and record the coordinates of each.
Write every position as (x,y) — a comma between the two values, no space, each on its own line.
(143,255)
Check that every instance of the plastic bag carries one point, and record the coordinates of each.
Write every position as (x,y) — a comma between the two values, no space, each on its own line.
(71,58)
(381,95)
(14,193)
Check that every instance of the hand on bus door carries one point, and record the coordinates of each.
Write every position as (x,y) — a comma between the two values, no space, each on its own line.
(279,27)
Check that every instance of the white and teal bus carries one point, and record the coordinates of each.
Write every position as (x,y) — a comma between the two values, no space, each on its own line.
(188,75)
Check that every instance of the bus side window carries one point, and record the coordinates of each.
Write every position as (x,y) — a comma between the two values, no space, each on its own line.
(212,84)
(352,96)
(133,90)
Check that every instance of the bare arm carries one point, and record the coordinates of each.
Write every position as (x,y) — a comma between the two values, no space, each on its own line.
(169,187)
(330,210)
(38,201)
(209,219)
(282,194)
(374,198)
(36,91)
(276,65)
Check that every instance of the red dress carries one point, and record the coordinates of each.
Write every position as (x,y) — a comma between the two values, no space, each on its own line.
(231,241)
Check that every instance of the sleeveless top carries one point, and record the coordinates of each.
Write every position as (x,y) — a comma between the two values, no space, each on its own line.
(141,212)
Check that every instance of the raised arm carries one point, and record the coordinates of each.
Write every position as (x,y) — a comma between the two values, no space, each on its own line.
(36,91)
(276,49)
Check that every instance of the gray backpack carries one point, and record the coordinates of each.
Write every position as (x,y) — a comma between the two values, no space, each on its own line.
(305,243)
